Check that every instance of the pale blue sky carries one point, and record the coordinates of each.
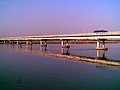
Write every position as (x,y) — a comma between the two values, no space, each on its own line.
(39,17)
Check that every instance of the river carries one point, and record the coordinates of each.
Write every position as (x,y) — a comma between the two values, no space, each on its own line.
(28,68)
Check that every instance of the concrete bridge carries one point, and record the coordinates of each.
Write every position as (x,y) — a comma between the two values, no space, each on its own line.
(64,39)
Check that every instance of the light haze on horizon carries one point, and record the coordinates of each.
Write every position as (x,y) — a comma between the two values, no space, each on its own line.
(42,17)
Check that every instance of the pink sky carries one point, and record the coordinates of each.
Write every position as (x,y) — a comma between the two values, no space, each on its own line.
(39,17)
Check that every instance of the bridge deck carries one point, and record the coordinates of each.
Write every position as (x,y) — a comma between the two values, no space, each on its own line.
(104,35)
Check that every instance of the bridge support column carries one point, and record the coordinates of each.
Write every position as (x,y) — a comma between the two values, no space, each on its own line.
(13,42)
(65,44)
(4,42)
(31,43)
(27,42)
(103,45)
(20,42)
(17,42)
(9,42)
(98,44)
(43,43)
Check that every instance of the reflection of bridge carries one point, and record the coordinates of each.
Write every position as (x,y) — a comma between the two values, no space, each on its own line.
(65,38)
(100,56)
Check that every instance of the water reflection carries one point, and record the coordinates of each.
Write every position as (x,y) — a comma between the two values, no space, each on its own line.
(65,51)
(62,53)
(23,71)
(43,48)
(20,45)
(100,54)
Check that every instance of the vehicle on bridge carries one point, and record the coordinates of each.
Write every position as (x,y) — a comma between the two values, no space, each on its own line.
(100,31)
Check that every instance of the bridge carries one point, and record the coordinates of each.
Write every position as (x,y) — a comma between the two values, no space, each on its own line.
(64,39)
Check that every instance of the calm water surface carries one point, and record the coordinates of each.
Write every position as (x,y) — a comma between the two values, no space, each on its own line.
(25,69)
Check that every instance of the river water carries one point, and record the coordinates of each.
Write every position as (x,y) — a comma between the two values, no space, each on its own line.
(27,68)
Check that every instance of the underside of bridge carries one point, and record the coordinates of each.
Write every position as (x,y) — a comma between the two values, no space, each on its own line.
(65,43)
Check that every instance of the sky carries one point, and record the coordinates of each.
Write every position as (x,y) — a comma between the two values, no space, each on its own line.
(43,17)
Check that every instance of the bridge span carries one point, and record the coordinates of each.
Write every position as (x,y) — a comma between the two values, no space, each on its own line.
(64,39)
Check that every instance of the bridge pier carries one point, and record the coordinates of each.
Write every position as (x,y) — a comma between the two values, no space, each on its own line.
(13,42)
(4,42)
(103,45)
(17,42)
(20,43)
(29,43)
(9,41)
(43,43)
(65,44)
